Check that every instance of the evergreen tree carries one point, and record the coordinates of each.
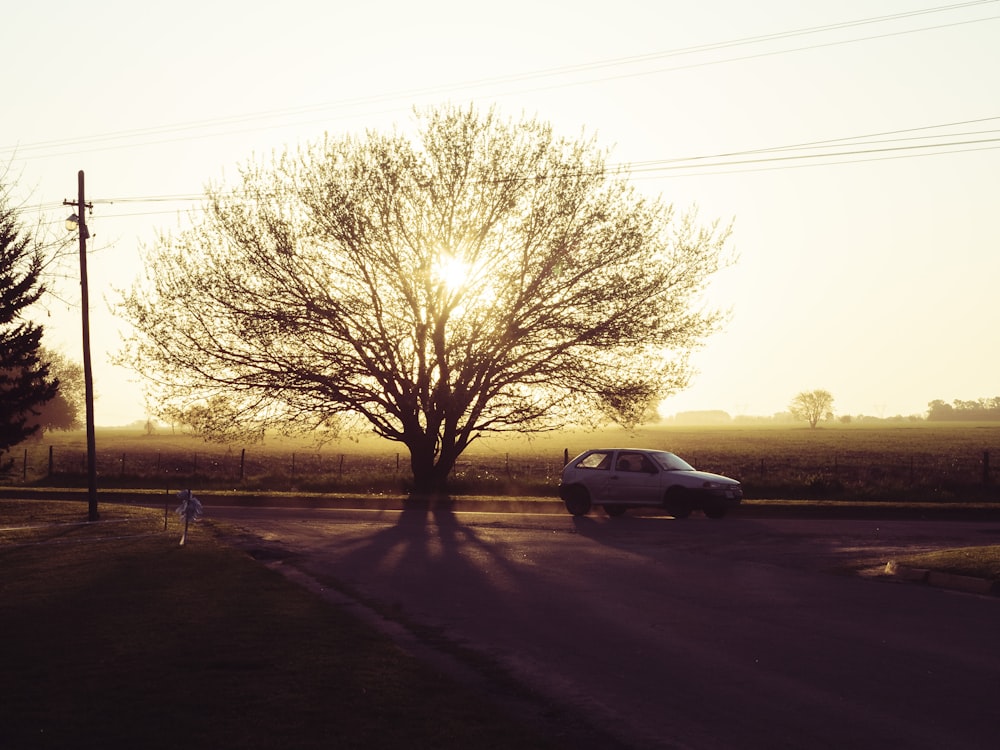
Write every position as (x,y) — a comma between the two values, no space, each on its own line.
(24,378)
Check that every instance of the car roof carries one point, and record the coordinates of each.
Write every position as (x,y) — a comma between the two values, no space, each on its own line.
(630,450)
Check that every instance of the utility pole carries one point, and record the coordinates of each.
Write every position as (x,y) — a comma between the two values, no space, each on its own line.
(88,377)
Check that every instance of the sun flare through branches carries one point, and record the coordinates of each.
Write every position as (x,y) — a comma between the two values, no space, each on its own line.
(485,276)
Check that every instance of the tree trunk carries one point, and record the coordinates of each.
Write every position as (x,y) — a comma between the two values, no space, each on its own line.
(430,470)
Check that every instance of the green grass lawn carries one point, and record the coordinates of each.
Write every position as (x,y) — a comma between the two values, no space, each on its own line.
(114,636)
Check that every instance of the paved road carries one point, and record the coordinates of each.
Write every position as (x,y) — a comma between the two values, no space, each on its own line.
(743,633)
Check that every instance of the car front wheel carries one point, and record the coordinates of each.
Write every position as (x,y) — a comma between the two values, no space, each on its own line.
(577,500)
(677,502)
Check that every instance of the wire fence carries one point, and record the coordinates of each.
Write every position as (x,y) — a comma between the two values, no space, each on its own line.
(246,468)
(40,463)
(919,476)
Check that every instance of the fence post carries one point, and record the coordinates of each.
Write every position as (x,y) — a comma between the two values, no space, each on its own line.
(243,459)
(565,456)
(340,470)
(50,462)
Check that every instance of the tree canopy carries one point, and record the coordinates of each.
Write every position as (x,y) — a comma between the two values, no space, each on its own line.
(64,411)
(483,275)
(24,378)
(812,406)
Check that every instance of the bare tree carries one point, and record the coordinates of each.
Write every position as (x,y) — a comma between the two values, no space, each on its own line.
(812,406)
(483,276)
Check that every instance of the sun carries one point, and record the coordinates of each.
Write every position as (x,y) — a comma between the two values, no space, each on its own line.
(452,272)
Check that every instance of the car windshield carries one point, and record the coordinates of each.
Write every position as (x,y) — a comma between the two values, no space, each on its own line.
(670,462)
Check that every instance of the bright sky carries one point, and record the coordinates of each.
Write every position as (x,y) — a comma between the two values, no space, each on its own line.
(868,260)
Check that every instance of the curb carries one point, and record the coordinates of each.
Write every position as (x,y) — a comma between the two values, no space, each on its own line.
(967,584)
(951,581)
(749,508)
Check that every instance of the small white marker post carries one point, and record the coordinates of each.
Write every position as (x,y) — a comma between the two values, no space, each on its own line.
(189,509)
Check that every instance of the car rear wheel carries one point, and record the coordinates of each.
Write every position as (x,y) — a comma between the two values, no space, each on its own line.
(677,502)
(577,500)
(615,510)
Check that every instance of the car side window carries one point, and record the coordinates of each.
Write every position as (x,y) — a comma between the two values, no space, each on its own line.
(632,462)
(598,460)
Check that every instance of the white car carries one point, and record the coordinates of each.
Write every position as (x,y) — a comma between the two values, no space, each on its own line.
(621,478)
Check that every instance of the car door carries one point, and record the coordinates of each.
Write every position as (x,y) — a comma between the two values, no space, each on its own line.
(634,479)
(594,472)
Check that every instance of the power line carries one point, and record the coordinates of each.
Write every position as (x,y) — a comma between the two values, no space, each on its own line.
(753,40)
(850,149)
(115,139)
(848,141)
(826,158)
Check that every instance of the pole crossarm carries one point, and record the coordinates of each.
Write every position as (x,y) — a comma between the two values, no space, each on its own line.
(77,203)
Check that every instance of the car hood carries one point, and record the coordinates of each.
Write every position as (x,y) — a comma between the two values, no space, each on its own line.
(706,476)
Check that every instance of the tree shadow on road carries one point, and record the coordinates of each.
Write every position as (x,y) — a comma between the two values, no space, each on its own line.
(427,545)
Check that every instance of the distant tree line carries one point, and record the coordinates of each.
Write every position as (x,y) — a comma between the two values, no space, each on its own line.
(964,411)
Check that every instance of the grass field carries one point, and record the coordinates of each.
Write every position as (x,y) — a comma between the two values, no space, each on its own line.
(977,562)
(892,461)
(114,636)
